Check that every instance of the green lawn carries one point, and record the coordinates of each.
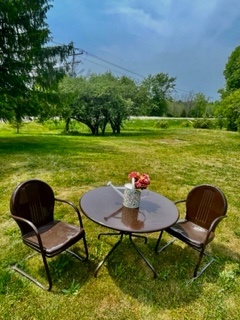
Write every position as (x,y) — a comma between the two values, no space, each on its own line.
(176,160)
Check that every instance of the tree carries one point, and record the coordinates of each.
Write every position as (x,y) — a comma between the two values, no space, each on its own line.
(159,88)
(232,71)
(195,105)
(119,111)
(187,104)
(69,90)
(97,100)
(100,101)
(229,108)
(132,93)
(27,65)
(200,103)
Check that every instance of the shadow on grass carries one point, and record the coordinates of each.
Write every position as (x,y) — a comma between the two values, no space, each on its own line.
(173,286)
(68,273)
(123,134)
(31,154)
(45,144)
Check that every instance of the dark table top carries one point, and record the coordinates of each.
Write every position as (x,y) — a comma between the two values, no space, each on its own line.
(104,206)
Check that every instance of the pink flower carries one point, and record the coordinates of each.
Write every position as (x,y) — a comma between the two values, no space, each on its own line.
(134,174)
(141,180)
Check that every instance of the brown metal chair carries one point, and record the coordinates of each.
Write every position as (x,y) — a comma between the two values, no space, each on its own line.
(32,206)
(206,206)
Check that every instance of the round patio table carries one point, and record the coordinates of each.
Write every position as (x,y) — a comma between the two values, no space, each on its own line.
(104,206)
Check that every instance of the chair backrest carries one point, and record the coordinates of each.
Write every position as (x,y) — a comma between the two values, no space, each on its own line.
(32,200)
(204,204)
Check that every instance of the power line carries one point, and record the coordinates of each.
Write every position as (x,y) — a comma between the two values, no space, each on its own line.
(101,65)
(105,61)
(82,51)
(115,65)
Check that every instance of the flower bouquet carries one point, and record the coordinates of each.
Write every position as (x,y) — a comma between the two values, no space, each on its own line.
(132,194)
(141,181)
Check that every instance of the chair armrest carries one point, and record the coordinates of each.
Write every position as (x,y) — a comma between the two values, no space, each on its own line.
(214,225)
(179,201)
(35,230)
(74,207)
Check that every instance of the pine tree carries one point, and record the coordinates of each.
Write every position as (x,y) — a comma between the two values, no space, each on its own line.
(27,65)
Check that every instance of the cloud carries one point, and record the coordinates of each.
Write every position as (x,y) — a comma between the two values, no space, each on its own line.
(189,39)
(137,21)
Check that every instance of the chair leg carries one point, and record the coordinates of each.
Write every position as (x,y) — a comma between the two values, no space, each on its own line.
(47,272)
(86,248)
(49,287)
(202,253)
(158,240)
(29,277)
(166,245)
(78,256)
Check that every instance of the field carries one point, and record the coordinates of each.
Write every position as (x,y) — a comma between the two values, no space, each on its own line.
(176,159)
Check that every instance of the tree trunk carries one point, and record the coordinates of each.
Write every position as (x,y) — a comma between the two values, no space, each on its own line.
(67,124)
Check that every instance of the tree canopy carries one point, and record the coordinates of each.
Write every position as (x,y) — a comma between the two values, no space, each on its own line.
(97,100)
(230,95)
(229,108)
(232,71)
(159,89)
(28,67)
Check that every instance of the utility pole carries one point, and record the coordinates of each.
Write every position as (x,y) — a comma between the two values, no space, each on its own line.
(74,61)
(73,74)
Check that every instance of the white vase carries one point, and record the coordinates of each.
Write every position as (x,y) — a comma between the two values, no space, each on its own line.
(131,196)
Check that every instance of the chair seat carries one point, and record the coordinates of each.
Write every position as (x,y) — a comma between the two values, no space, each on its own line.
(190,233)
(55,236)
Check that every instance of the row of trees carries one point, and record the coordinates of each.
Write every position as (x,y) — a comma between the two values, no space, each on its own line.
(30,78)
(30,72)
(100,99)
(34,81)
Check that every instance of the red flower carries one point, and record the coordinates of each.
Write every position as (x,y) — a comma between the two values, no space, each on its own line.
(141,180)
(134,174)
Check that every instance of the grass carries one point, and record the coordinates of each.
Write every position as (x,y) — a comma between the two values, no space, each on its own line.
(176,160)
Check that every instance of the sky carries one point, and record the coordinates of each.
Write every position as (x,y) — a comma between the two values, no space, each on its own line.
(187,39)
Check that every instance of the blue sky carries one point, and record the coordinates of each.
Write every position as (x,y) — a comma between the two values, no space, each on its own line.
(187,39)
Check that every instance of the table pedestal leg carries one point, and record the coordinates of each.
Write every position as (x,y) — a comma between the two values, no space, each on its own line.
(138,236)
(141,254)
(109,253)
(109,234)
(116,245)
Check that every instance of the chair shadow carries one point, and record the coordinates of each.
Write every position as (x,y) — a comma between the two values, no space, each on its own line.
(67,272)
(174,285)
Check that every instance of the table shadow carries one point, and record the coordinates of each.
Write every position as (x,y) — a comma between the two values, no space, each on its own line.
(173,286)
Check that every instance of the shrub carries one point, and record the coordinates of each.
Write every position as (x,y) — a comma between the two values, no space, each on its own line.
(233,117)
(203,124)
(187,124)
(162,124)
(220,122)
